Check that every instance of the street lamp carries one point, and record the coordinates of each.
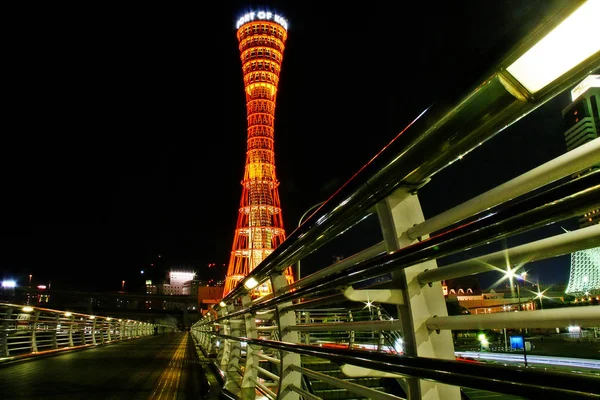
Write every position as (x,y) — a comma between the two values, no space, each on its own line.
(505,308)
(523,276)
(122,286)
(540,295)
(300,223)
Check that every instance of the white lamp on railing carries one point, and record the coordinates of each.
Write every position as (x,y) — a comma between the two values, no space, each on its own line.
(250,283)
(574,40)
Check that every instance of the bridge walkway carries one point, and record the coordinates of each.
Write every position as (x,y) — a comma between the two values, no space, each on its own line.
(163,367)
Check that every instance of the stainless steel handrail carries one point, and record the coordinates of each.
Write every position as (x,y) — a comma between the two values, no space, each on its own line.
(528,383)
(531,213)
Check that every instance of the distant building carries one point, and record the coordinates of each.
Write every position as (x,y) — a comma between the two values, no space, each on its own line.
(181,285)
(466,292)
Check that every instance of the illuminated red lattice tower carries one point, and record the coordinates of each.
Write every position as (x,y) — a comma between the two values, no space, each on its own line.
(259,230)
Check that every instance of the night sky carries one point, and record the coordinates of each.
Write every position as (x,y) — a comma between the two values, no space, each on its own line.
(124,134)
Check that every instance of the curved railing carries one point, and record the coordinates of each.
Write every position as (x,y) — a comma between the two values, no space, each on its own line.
(311,329)
(29,331)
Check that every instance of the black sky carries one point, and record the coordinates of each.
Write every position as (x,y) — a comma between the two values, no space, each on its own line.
(124,129)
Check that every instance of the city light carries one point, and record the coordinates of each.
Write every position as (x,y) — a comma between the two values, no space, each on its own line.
(68,314)
(251,283)
(570,43)
(222,304)
(9,283)
(27,309)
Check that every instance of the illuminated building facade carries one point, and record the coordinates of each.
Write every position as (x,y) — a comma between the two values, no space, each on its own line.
(582,125)
(584,279)
(259,229)
(181,283)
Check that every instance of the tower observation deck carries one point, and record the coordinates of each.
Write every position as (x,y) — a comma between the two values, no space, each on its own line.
(259,229)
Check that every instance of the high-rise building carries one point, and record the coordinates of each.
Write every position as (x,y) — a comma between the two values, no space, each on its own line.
(259,229)
(582,125)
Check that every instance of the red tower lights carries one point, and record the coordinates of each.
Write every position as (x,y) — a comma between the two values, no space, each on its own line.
(259,229)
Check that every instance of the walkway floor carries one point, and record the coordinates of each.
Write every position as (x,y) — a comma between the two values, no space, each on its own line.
(162,367)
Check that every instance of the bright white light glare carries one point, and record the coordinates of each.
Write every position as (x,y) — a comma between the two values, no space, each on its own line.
(399,346)
(222,304)
(251,283)
(92,316)
(68,314)
(9,284)
(27,309)
(571,42)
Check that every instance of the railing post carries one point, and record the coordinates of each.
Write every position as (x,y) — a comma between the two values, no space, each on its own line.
(5,324)
(307,321)
(94,331)
(250,371)
(34,347)
(81,327)
(109,324)
(208,338)
(381,341)
(352,333)
(234,353)
(71,324)
(223,355)
(127,329)
(203,334)
(397,213)
(286,319)
(55,332)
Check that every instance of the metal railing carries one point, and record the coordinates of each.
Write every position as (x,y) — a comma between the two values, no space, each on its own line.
(29,331)
(265,343)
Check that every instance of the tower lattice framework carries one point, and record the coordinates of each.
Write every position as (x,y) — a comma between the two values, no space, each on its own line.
(259,229)
(584,278)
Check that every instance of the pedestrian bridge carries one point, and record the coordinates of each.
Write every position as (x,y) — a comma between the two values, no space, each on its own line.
(374,324)
(140,366)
